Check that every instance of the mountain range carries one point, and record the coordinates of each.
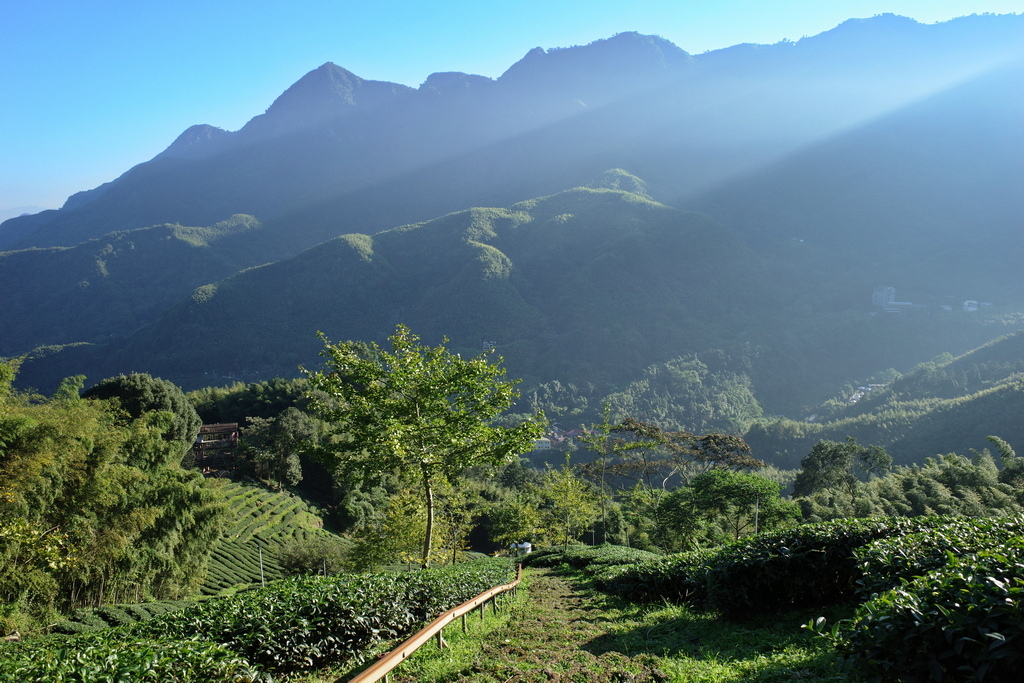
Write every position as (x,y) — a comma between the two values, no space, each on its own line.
(634,204)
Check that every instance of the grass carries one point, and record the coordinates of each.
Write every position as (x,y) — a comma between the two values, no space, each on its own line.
(692,646)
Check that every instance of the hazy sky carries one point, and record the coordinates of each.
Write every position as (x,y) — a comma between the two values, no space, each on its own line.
(89,88)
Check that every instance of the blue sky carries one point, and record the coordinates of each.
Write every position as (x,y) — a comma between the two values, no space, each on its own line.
(89,88)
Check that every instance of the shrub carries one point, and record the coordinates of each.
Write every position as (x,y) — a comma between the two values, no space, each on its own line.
(292,625)
(810,565)
(964,621)
(681,577)
(592,557)
(548,557)
(325,553)
(100,658)
(311,622)
(115,616)
(95,619)
(887,562)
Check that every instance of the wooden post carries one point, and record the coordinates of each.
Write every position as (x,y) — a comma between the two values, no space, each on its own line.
(465,629)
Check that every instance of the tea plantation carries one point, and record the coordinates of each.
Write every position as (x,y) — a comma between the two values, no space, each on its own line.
(262,520)
(909,599)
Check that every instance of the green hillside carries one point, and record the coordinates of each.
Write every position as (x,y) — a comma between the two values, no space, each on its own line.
(112,285)
(589,286)
(588,282)
(947,405)
(259,519)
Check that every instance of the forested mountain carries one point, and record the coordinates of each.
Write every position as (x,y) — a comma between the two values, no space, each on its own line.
(110,286)
(882,152)
(945,405)
(589,283)
(585,287)
(334,140)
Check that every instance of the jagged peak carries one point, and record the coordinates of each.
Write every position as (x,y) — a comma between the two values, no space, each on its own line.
(453,81)
(627,51)
(197,142)
(321,94)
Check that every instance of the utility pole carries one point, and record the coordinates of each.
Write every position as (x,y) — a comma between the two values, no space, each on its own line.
(757,505)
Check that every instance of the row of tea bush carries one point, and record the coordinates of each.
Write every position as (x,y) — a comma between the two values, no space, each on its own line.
(292,625)
(937,598)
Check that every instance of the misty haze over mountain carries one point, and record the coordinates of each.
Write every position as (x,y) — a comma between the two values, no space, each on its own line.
(735,209)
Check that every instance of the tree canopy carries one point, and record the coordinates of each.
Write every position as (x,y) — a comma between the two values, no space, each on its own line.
(94,506)
(140,393)
(417,410)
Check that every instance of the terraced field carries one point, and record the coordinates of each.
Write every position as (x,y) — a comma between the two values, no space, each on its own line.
(262,519)
(96,619)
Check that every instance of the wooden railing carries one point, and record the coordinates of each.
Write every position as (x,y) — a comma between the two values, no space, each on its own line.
(435,629)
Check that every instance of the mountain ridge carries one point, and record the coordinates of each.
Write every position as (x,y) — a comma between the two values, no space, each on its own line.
(825,174)
(509,105)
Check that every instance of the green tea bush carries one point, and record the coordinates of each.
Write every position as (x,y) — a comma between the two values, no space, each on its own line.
(886,563)
(961,622)
(311,622)
(546,557)
(115,616)
(292,625)
(109,657)
(605,555)
(681,577)
(95,619)
(806,566)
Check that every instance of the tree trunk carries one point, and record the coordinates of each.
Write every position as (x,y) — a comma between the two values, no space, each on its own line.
(428,490)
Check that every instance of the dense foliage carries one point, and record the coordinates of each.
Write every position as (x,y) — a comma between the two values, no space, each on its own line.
(296,624)
(139,393)
(951,484)
(419,411)
(115,656)
(948,404)
(962,621)
(809,565)
(94,507)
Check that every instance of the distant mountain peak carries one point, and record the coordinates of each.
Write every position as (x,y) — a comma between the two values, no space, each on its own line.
(624,59)
(455,81)
(326,92)
(197,142)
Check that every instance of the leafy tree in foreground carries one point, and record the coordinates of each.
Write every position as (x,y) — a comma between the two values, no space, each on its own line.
(418,410)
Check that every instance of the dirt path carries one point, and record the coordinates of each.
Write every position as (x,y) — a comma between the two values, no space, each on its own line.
(556,635)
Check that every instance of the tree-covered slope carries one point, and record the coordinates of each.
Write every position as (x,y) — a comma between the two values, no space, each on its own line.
(942,406)
(112,285)
(586,282)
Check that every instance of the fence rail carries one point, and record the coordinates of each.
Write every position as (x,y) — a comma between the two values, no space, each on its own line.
(387,662)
